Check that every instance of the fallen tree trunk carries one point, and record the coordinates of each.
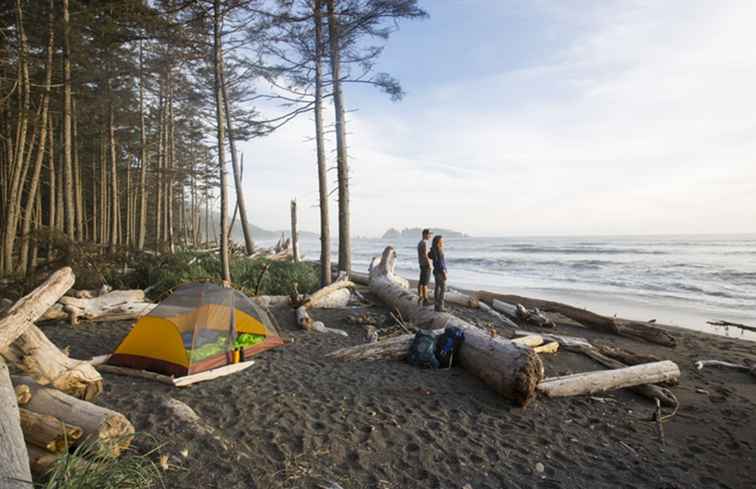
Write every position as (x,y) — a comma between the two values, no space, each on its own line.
(110,429)
(29,308)
(271,300)
(321,295)
(581,345)
(622,327)
(512,370)
(47,431)
(607,380)
(119,305)
(14,460)
(626,356)
(335,300)
(36,355)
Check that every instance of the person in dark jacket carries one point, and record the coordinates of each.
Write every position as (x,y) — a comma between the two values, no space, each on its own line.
(439,272)
(423,260)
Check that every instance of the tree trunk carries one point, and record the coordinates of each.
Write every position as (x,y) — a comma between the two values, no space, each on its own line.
(47,431)
(110,429)
(142,157)
(68,175)
(325,220)
(14,460)
(51,190)
(511,369)
(114,211)
(171,163)
(78,195)
(219,120)
(249,245)
(36,173)
(16,170)
(342,165)
(294,232)
(606,380)
(119,305)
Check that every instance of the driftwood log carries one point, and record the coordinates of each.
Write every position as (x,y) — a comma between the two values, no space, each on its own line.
(334,295)
(607,380)
(29,308)
(395,348)
(37,356)
(23,394)
(581,345)
(48,432)
(622,327)
(42,461)
(112,431)
(118,305)
(512,370)
(14,460)
(23,344)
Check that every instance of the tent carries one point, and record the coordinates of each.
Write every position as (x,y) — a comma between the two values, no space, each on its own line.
(199,327)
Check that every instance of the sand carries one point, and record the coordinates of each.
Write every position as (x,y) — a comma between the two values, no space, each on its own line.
(297,420)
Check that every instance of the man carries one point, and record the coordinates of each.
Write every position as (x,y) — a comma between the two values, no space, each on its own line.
(425,268)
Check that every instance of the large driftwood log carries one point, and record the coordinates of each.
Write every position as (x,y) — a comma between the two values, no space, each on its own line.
(512,370)
(14,460)
(321,295)
(622,327)
(119,305)
(48,432)
(581,345)
(607,380)
(36,355)
(110,429)
(30,307)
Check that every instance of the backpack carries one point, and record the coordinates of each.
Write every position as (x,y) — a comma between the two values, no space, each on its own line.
(448,344)
(422,350)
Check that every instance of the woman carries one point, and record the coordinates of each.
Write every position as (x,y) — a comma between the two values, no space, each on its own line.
(439,271)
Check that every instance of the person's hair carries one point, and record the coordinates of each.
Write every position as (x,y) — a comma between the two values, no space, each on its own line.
(426,232)
(434,244)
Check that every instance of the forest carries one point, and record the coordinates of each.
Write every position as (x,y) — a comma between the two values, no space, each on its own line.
(120,120)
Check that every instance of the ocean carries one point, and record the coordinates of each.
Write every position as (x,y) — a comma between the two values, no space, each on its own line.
(680,280)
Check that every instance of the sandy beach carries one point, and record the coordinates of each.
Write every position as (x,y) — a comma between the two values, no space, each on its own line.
(297,420)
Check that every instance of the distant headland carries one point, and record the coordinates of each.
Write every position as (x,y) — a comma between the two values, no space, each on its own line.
(393,233)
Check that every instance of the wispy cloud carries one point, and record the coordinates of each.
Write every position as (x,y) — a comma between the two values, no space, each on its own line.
(642,121)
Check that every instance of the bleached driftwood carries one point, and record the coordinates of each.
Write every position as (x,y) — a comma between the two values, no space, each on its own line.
(48,432)
(530,340)
(212,374)
(320,296)
(271,300)
(36,355)
(551,347)
(395,348)
(305,321)
(14,460)
(460,299)
(607,380)
(490,311)
(131,372)
(719,363)
(622,327)
(512,370)
(335,300)
(518,312)
(112,431)
(581,345)
(88,294)
(29,308)
(119,305)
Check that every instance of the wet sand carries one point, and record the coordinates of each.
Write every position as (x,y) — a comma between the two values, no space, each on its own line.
(297,420)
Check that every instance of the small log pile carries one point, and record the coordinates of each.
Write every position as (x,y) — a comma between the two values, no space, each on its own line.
(332,296)
(48,410)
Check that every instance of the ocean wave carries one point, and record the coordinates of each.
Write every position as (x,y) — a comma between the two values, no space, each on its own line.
(573,250)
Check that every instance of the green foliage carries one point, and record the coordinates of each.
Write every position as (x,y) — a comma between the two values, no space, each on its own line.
(160,275)
(89,468)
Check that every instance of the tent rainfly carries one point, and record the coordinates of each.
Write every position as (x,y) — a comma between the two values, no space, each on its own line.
(198,328)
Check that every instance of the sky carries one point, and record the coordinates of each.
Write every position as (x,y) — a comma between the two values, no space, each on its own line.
(538,117)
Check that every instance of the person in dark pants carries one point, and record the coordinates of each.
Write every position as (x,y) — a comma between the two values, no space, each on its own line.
(423,259)
(439,272)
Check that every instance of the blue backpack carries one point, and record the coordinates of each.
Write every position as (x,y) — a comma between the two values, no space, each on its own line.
(448,344)
(422,352)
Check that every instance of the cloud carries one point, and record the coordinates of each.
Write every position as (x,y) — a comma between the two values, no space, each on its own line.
(641,122)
